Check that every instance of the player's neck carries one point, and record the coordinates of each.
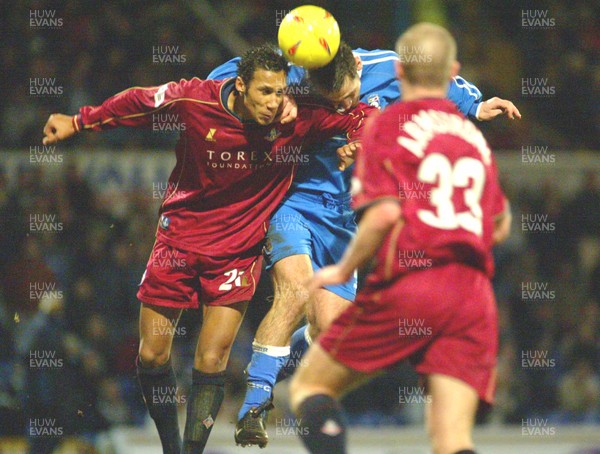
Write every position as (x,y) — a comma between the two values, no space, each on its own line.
(413,92)
(235,103)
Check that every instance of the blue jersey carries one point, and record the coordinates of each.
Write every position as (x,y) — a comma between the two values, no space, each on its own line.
(378,87)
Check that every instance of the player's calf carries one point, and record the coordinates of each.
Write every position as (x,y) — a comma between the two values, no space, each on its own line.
(159,387)
(323,429)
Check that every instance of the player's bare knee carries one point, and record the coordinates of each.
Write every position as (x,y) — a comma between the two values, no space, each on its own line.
(213,360)
(153,357)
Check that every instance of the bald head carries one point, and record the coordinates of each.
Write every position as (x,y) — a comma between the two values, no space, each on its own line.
(427,55)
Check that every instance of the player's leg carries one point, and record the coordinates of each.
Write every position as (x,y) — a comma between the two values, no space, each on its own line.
(220,325)
(313,397)
(286,253)
(331,224)
(271,345)
(451,414)
(324,307)
(156,374)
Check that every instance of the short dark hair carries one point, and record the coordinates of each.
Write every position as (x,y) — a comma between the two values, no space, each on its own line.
(331,77)
(266,56)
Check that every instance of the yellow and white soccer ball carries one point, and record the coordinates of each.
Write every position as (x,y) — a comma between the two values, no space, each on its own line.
(309,36)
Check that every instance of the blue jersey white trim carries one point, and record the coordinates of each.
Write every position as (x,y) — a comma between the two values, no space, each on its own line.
(379,87)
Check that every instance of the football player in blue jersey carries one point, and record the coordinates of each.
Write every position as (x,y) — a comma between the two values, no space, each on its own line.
(314,224)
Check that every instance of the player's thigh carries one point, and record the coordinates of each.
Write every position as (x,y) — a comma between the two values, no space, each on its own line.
(157,327)
(219,329)
(320,373)
(324,307)
(450,415)
(288,235)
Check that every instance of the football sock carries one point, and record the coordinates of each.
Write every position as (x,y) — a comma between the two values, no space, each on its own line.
(301,340)
(325,432)
(204,402)
(262,371)
(159,388)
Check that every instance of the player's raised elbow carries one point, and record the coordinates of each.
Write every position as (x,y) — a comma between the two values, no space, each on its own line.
(384,214)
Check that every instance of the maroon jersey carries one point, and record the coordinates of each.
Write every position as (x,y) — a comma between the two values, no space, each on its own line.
(438,164)
(230,175)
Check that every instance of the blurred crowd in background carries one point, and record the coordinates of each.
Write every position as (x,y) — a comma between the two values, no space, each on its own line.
(103,48)
(87,312)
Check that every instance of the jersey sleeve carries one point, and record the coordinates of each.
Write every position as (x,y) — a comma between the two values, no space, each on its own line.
(374,176)
(326,123)
(133,107)
(465,95)
(225,71)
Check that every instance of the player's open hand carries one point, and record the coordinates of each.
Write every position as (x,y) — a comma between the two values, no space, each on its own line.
(347,154)
(328,275)
(495,106)
(290,110)
(58,127)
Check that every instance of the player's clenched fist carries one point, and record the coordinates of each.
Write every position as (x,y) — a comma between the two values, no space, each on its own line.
(58,127)
(347,154)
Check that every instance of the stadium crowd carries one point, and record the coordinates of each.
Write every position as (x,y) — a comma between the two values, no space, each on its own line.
(72,291)
(114,45)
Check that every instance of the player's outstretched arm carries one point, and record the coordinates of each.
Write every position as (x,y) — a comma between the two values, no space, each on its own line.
(59,127)
(494,107)
(374,226)
(133,107)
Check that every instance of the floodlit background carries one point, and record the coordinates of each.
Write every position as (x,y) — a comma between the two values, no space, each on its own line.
(78,219)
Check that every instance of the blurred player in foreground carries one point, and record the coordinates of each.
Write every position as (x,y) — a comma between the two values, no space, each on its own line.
(450,223)
(314,224)
(227,181)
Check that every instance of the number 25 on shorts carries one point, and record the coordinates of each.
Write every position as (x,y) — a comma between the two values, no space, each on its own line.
(235,278)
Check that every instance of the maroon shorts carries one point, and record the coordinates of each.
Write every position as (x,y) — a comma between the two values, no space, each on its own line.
(442,319)
(182,279)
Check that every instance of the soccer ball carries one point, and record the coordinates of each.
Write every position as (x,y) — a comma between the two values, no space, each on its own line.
(309,36)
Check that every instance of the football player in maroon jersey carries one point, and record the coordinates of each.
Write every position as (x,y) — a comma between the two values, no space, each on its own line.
(226,183)
(432,208)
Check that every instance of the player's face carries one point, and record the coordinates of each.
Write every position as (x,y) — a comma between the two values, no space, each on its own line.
(263,96)
(348,96)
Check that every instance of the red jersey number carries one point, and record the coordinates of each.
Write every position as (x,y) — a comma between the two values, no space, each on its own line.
(467,173)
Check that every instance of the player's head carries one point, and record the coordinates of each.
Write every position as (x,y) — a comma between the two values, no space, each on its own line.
(427,56)
(261,83)
(338,81)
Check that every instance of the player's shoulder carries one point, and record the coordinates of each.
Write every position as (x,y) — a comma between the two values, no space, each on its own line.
(227,69)
(201,89)
(424,119)
(371,57)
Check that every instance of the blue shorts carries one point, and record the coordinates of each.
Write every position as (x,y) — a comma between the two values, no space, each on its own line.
(318,225)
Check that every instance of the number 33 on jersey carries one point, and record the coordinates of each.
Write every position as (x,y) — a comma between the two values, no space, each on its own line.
(438,165)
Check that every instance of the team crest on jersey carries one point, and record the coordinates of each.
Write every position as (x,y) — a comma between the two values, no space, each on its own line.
(164,222)
(373,101)
(210,137)
(273,134)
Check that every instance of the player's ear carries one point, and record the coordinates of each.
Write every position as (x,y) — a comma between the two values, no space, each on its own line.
(399,69)
(454,69)
(240,85)
(359,64)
